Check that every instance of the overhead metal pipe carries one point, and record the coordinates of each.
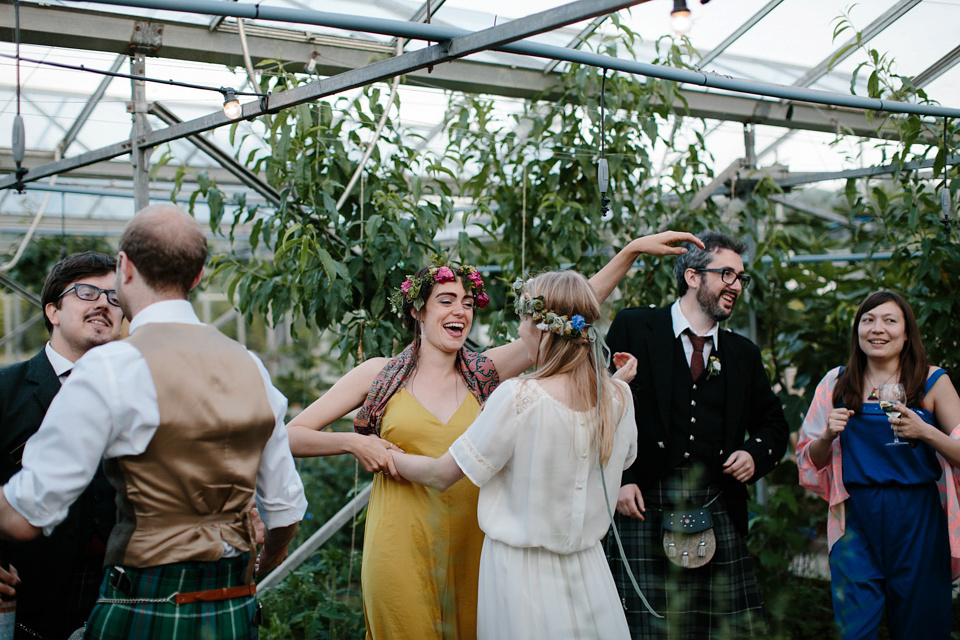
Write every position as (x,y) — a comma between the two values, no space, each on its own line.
(471,42)
(439,33)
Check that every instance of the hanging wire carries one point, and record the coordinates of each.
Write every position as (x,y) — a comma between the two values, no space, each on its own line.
(117,74)
(603,170)
(602,353)
(945,204)
(16,10)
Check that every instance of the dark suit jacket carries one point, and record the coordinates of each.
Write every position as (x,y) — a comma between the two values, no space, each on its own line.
(46,597)
(751,406)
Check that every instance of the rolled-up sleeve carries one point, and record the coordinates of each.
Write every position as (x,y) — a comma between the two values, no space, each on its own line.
(280,497)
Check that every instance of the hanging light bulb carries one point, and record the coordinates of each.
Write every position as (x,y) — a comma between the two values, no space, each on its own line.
(231,106)
(680,20)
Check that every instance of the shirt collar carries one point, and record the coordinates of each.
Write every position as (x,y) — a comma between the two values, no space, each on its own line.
(59,363)
(681,324)
(180,311)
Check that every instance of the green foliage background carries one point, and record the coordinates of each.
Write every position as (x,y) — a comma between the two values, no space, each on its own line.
(530,183)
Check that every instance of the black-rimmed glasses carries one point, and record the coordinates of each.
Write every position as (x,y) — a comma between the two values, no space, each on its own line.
(91,293)
(729,276)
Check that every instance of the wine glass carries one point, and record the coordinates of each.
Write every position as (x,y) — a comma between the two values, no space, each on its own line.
(889,395)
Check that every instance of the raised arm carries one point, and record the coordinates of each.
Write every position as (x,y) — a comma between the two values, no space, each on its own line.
(512,359)
(306,431)
(658,244)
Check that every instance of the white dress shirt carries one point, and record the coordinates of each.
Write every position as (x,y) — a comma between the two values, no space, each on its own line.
(535,461)
(680,326)
(61,366)
(107,408)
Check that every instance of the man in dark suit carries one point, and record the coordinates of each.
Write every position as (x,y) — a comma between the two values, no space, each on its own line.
(708,424)
(59,575)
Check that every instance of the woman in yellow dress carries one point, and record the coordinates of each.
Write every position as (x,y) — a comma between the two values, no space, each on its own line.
(421,550)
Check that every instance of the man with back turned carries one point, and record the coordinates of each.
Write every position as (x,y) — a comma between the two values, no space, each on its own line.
(191,432)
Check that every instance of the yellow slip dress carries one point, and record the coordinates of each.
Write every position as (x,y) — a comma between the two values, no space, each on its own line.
(421,552)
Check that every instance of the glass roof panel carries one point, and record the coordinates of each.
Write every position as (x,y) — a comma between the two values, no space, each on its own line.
(801,32)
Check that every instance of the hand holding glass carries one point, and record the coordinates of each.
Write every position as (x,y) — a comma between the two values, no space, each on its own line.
(890,395)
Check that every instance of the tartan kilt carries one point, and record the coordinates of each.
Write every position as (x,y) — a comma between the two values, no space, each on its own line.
(719,601)
(221,620)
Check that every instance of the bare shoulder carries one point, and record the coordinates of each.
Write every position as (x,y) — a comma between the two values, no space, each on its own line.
(364,374)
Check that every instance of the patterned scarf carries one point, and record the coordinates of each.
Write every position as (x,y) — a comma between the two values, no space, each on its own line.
(477,371)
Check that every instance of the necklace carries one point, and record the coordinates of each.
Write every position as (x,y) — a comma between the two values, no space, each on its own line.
(873,392)
(456,394)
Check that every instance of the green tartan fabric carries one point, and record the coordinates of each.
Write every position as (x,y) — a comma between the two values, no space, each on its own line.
(719,601)
(222,620)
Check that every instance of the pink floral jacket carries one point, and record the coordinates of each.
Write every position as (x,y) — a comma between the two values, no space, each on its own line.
(828,482)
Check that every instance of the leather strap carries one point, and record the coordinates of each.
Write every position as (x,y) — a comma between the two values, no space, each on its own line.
(214,595)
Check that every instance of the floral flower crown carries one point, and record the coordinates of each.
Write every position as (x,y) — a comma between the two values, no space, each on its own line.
(438,273)
(534,306)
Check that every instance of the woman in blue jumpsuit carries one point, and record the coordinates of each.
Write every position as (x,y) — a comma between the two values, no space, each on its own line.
(894,551)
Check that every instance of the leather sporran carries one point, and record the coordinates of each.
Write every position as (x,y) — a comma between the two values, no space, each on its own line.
(688,538)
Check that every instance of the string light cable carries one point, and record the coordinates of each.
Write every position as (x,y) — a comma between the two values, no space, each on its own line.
(231,105)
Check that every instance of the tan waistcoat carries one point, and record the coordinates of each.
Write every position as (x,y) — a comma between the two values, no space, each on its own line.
(193,487)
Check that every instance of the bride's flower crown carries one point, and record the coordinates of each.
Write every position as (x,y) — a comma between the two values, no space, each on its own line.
(438,273)
(534,306)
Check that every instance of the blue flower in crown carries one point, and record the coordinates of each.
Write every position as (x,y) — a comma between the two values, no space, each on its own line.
(578,322)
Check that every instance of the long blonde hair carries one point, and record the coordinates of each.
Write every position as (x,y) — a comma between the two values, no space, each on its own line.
(568,293)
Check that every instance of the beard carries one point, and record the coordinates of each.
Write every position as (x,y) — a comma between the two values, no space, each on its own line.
(710,304)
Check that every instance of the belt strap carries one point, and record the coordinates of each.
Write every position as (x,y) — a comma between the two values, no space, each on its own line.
(213,595)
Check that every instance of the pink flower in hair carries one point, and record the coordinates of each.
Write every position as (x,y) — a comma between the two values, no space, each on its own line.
(475,278)
(482,300)
(405,286)
(444,274)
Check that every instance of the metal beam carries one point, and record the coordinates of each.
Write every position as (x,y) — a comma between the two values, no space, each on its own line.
(90,30)
(458,46)
(830,216)
(549,20)
(742,29)
(420,15)
(114,171)
(848,48)
(498,37)
(140,155)
(244,175)
(20,290)
(937,69)
(303,553)
(462,45)
(799,179)
(578,40)
(71,134)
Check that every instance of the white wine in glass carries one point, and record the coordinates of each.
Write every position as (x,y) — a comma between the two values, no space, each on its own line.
(890,395)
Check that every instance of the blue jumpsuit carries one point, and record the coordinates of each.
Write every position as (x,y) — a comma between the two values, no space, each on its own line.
(894,553)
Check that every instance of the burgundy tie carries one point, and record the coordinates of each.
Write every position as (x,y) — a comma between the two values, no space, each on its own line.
(696,359)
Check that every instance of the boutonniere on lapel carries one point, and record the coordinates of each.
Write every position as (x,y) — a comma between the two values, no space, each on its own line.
(713,367)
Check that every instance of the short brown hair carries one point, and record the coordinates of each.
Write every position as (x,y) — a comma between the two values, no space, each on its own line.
(68,270)
(168,256)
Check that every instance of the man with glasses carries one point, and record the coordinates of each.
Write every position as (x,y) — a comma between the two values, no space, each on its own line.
(191,432)
(60,574)
(708,424)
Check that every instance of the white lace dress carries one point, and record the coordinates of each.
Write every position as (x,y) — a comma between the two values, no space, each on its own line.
(543,573)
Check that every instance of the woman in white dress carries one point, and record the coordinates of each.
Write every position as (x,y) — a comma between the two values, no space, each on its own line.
(547,452)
